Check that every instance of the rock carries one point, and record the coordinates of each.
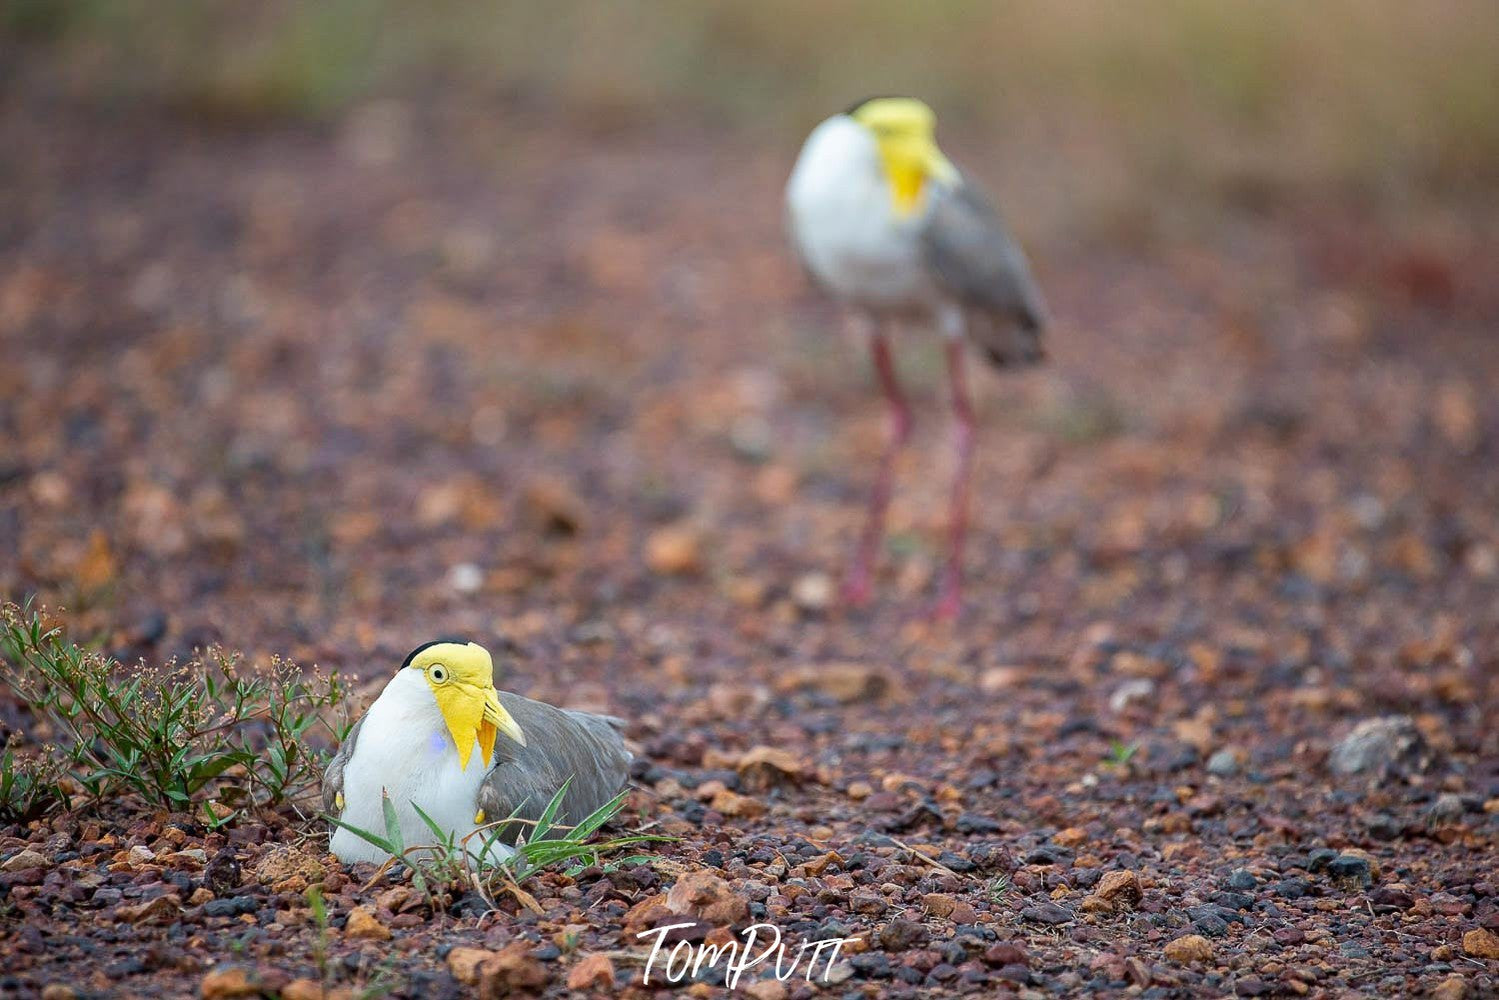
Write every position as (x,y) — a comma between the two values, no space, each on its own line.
(1047,913)
(1387,745)
(24,861)
(1241,880)
(1223,764)
(840,973)
(511,970)
(708,898)
(1138,689)
(939,904)
(1006,953)
(765,989)
(647,913)
(140,855)
(227,982)
(465,578)
(280,865)
(901,935)
(167,907)
(1448,808)
(553,506)
(1189,948)
(59,991)
(733,804)
(311,989)
(963,913)
(593,972)
(812,591)
(222,873)
(1120,889)
(843,682)
(1481,943)
(364,925)
(1073,836)
(871,903)
(675,550)
(1355,852)
(464,963)
(1351,869)
(1451,988)
(1393,899)
(763,768)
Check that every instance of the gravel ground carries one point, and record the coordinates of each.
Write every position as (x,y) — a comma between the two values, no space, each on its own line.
(1218,719)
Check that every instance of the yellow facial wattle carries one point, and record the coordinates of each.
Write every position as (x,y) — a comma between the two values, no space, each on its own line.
(462,709)
(461,677)
(903,130)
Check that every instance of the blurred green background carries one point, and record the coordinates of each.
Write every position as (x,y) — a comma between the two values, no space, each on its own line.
(1381,99)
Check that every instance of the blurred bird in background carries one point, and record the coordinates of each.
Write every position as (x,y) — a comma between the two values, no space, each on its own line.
(885,223)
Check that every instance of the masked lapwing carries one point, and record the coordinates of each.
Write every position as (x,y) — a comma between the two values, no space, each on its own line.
(887,225)
(441,737)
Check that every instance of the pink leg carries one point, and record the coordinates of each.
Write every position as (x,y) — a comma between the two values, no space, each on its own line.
(950,598)
(858,585)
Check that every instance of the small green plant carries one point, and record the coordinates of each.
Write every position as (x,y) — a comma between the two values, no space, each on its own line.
(479,861)
(170,734)
(31,785)
(999,888)
(320,943)
(1120,753)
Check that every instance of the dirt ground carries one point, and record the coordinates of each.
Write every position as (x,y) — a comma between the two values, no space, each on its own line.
(329,392)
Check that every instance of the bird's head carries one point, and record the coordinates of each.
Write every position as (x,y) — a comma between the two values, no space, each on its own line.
(460,675)
(904,132)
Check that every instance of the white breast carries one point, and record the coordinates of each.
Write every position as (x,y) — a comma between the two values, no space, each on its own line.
(843,222)
(404,749)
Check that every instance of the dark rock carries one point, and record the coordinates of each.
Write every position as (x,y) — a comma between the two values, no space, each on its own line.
(1234,900)
(901,935)
(1320,859)
(956,862)
(233,906)
(1006,953)
(1241,880)
(1049,854)
(1350,868)
(1291,888)
(974,823)
(1047,913)
(1015,973)
(1385,900)
(222,873)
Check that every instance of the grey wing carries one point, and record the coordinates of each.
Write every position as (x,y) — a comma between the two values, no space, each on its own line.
(973,258)
(333,774)
(560,745)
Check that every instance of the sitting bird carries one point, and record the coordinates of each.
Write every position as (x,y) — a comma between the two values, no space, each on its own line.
(416,745)
(885,223)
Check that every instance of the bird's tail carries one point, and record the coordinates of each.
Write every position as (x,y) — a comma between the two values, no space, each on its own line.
(1009,340)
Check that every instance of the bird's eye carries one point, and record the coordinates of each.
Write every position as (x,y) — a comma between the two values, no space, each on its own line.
(438,673)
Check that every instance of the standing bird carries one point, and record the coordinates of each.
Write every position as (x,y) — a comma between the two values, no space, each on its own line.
(416,745)
(884,222)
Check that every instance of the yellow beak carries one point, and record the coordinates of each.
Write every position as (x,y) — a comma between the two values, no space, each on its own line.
(909,162)
(496,716)
(472,715)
